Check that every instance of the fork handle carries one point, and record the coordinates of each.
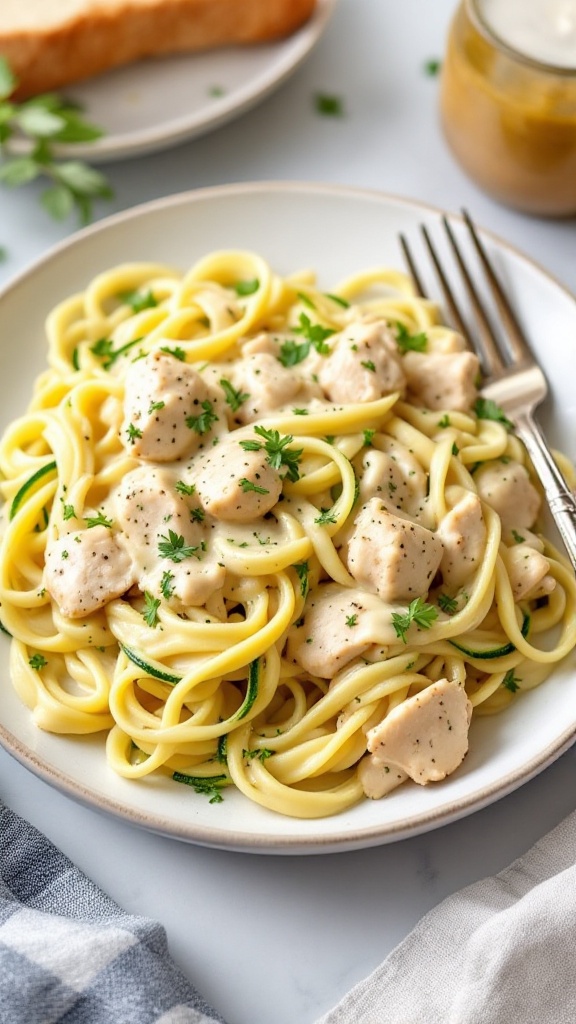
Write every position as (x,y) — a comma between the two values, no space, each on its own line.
(561,500)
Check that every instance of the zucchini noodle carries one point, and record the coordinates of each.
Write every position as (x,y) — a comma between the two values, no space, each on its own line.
(221,688)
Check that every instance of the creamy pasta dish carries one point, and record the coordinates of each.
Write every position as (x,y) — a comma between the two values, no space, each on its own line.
(265,536)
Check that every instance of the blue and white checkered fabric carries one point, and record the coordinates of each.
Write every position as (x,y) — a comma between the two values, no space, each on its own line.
(70,955)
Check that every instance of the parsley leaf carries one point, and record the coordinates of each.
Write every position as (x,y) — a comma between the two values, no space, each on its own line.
(424,615)
(326,516)
(99,520)
(302,574)
(203,422)
(407,342)
(351,620)
(167,584)
(447,604)
(174,548)
(150,613)
(486,409)
(44,121)
(247,485)
(133,433)
(233,397)
(139,299)
(293,352)
(37,661)
(277,451)
(184,488)
(511,682)
(328,105)
(518,538)
(104,349)
(316,334)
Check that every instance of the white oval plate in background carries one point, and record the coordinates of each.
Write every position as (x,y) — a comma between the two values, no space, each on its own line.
(160,102)
(336,231)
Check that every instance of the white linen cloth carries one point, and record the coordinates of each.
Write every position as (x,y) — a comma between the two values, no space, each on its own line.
(501,951)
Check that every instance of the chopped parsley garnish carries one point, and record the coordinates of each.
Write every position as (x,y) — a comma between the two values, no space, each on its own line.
(151,606)
(432,67)
(293,352)
(277,451)
(511,682)
(99,520)
(368,436)
(197,515)
(184,488)
(328,105)
(368,365)
(486,409)
(233,397)
(155,407)
(407,342)
(167,584)
(518,538)
(203,422)
(302,574)
(455,449)
(338,300)
(133,433)
(262,754)
(177,352)
(351,620)
(139,299)
(37,661)
(247,485)
(246,287)
(447,604)
(326,516)
(424,615)
(68,512)
(104,349)
(174,548)
(444,421)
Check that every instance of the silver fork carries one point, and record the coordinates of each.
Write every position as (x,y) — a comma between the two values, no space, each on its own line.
(511,375)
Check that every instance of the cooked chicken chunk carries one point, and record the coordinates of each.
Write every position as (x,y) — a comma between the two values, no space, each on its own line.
(86,570)
(378,778)
(363,364)
(238,485)
(166,537)
(528,571)
(394,557)
(339,624)
(463,534)
(269,385)
(442,380)
(427,735)
(507,488)
(168,408)
(394,476)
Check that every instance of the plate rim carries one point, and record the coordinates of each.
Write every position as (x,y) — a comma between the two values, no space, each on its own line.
(234,839)
(292,52)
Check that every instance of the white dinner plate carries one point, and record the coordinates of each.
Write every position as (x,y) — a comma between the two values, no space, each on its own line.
(160,102)
(337,231)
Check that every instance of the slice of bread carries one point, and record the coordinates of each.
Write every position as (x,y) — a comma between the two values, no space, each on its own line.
(50,44)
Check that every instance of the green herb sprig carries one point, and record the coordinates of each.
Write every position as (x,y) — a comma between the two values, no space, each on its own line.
(44,122)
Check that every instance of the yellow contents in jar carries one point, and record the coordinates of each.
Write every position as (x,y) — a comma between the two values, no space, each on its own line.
(509,120)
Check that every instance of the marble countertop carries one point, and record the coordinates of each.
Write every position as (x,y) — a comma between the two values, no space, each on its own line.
(275,938)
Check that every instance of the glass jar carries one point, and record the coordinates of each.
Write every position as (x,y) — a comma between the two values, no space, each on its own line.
(508,116)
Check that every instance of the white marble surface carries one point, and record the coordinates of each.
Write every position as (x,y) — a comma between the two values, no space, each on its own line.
(283,938)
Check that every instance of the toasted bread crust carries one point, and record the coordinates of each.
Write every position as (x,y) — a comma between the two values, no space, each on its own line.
(98,38)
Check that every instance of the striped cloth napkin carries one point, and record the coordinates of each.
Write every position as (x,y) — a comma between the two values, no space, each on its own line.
(501,951)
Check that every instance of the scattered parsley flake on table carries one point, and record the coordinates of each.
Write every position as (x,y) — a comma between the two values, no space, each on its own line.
(44,121)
